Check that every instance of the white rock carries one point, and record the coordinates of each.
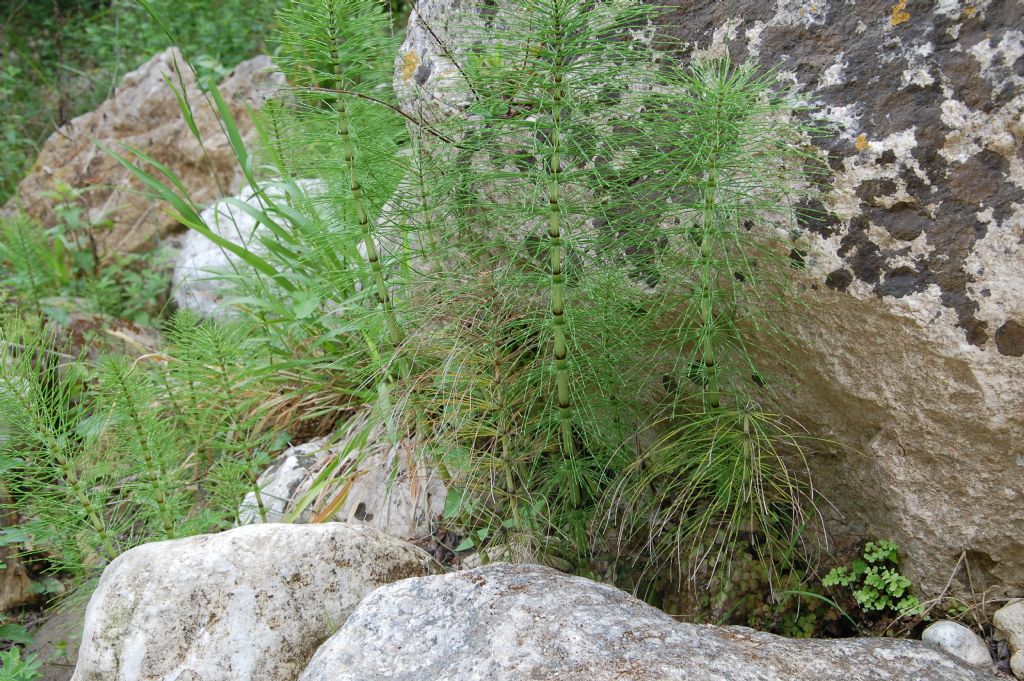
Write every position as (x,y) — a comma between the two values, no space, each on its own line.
(1009,625)
(202,272)
(251,603)
(387,487)
(283,483)
(958,640)
(519,622)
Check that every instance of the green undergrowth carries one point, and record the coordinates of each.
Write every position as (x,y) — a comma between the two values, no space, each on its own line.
(559,292)
(60,59)
(52,272)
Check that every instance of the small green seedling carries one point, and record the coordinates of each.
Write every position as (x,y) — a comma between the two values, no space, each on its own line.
(876,582)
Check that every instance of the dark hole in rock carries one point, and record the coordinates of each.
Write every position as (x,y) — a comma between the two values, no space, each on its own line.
(361,513)
(839,280)
(900,281)
(1010,339)
(796,259)
(887,157)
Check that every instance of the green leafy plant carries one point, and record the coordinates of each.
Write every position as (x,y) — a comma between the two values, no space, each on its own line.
(875,581)
(557,290)
(612,225)
(14,667)
(65,262)
(100,456)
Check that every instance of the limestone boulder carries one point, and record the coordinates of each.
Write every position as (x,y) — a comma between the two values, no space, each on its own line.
(143,113)
(380,484)
(517,622)
(249,603)
(910,355)
(1009,625)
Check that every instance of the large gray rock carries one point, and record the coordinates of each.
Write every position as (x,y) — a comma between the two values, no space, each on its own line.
(250,603)
(143,113)
(514,622)
(911,353)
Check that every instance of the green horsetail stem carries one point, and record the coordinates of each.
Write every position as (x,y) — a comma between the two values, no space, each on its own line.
(153,467)
(70,477)
(356,189)
(557,254)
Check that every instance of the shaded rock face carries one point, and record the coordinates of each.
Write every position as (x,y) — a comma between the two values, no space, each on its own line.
(250,603)
(386,488)
(15,583)
(910,356)
(528,622)
(143,113)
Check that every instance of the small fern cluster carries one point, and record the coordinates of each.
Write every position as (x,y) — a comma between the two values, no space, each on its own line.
(875,581)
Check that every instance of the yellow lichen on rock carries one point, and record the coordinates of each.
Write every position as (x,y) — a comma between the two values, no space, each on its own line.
(899,13)
(861,143)
(410,60)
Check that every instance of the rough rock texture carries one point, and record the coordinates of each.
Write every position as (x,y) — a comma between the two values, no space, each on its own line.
(387,489)
(515,622)
(1009,625)
(911,355)
(250,603)
(15,583)
(198,282)
(143,113)
(959,641)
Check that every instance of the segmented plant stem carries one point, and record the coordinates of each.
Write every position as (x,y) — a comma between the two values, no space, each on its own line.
(556,252)
(70,475)
(154,468)
(356,189)
(708,272)
(250,473)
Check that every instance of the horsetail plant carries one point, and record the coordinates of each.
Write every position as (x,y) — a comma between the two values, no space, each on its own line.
(50,474)
(574,271)
(539,198)
(336,54)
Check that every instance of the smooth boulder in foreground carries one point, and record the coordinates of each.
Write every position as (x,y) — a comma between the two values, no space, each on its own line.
(513,622)
(250,603)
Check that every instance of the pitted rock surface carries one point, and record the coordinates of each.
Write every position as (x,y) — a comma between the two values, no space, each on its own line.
(928,169)
(519,622)
(387,488)
(250,603)
(143,113)
(910,355)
